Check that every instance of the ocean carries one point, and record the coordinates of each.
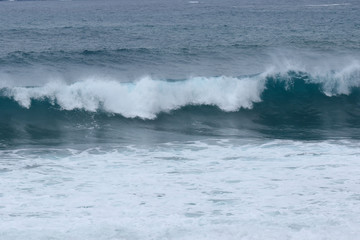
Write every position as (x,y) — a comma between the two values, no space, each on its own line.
(177,119)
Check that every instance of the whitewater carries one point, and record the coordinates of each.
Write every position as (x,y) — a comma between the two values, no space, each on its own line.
(214,189)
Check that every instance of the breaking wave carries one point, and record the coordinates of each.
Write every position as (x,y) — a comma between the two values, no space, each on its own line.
(147,97)
(291,104)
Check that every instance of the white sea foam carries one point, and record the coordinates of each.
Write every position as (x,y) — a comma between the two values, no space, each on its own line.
(147,97)
(195,190)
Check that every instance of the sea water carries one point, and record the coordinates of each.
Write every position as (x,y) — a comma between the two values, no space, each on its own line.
(180,119)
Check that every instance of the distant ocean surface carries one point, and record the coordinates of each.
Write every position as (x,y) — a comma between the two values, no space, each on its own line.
(176,119)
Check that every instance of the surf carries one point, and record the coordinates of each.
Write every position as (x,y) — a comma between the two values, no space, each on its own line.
(146,98)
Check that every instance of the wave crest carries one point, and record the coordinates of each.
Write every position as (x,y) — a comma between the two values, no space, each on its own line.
(144,98)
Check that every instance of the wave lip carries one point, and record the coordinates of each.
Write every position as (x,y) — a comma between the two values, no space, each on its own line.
(144,98)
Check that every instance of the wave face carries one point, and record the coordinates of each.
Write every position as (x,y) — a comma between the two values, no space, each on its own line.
(292,104)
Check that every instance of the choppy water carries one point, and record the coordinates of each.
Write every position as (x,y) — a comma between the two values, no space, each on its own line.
(179,119)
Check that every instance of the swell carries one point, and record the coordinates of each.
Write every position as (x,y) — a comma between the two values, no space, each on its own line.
(281,105)
(88,57)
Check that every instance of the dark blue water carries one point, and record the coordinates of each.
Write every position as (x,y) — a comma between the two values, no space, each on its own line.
(172,39)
